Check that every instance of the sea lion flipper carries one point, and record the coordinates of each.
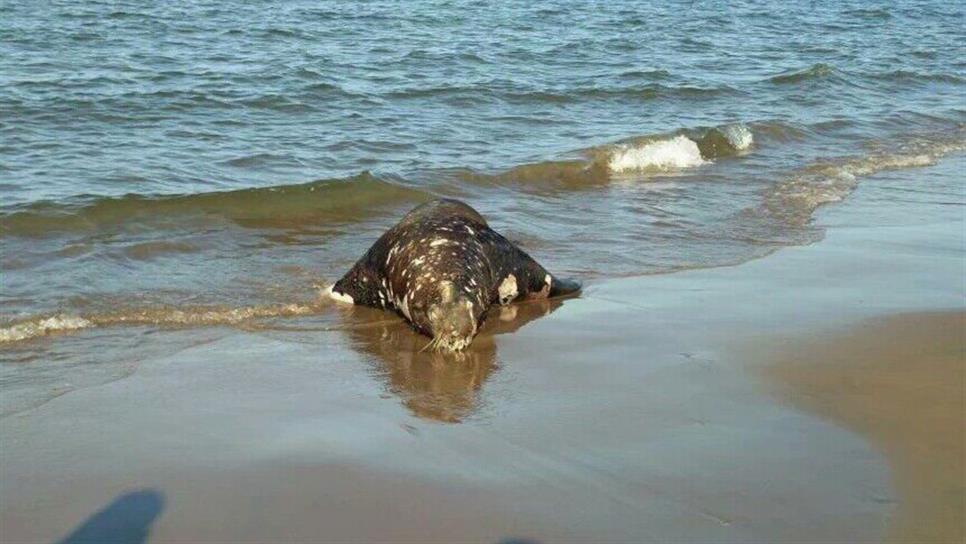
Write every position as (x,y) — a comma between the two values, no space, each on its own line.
(533,278)
(358,286)
(564,286)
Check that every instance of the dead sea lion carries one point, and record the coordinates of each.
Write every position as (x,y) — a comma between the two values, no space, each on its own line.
(442,267)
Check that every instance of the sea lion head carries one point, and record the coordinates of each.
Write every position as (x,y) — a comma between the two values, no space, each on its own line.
(452,319)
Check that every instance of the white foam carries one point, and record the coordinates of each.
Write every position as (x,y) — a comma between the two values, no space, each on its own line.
(739,136)
(42,327)
(870,165)
(660,155)
(831,182)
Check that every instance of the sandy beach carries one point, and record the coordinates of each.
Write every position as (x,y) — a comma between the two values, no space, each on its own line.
(900,382)
(803,397)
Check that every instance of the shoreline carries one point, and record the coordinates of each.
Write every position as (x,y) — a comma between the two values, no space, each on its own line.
(636,412)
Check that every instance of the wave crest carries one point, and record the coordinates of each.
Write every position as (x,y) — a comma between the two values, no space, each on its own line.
(726,141)
(264,207)
(815,71)
(684,150)
(660,155)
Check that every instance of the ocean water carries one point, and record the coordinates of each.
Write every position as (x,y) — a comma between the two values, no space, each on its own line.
(187,164)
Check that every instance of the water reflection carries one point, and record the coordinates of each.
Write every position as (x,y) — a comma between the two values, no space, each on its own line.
(438,386)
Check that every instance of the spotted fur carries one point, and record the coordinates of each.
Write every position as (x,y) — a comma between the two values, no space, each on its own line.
(441,246)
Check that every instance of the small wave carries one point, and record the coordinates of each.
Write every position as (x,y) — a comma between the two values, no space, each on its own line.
(796,199)
(120,14)
(726,141)
(660,155)
(739,136)
(645,74)
(868,13)
(261,160)
(282,206)
(275,32)
(916,77)
(816,71)
(651,154)
(434,91)
(692,148)
(146,251)
(655,90)
(171,317)
(276,102)
(26,330)
(201,316)
(494,91)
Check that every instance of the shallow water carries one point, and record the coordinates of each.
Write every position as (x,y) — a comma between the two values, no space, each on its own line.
(216,163)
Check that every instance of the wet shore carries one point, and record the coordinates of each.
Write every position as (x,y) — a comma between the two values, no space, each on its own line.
(652,408)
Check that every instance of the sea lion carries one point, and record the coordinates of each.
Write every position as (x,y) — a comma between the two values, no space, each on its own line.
(442,267)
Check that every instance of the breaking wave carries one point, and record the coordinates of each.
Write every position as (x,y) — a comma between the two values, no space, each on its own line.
(683,150)
(661,155)
(173,317)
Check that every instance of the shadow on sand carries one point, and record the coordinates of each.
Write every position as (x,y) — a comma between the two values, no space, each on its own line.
(127,520)
(432,385)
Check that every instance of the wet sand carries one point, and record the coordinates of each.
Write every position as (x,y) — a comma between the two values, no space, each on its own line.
(641,411)
(901,381)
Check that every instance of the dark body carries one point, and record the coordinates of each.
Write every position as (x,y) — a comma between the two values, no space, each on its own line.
(442,265)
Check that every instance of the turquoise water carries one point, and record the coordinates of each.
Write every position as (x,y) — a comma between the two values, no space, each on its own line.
(198,163)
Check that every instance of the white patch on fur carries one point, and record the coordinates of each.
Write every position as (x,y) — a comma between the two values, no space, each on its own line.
(508,289)
(339,297)
(438,242)
(547,279)
(468,306)
(403,306)
(469,230)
